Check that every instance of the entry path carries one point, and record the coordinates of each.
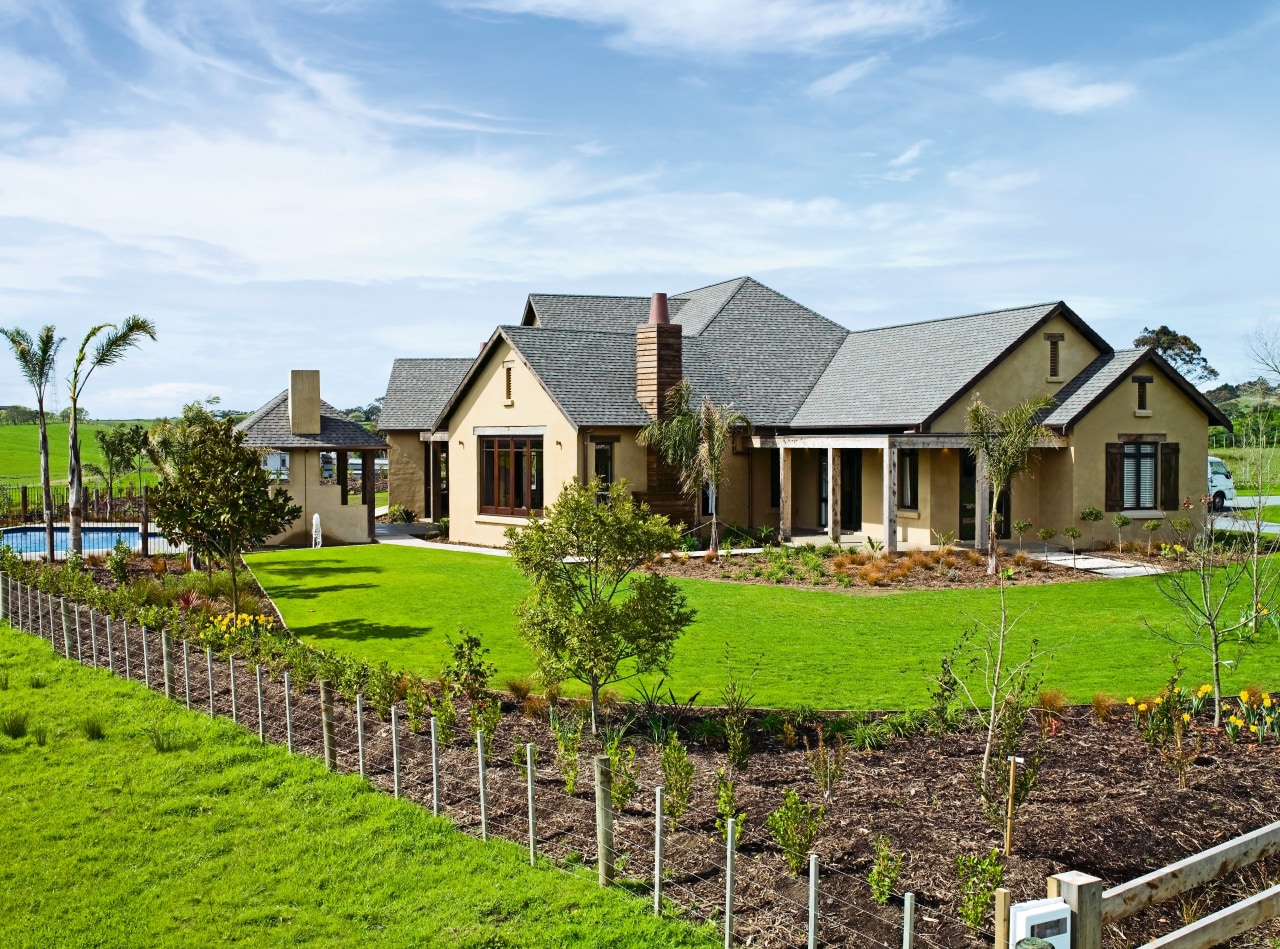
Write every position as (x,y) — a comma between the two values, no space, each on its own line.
(1102,566)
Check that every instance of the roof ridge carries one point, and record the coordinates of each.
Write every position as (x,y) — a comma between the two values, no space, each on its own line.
(961,316)
(752,280)
(719,283)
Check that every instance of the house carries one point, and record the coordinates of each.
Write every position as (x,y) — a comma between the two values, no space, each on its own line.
(298,424)
(855,434)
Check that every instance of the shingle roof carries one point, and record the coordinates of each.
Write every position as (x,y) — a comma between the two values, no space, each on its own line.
(269,428)
(901,375)
(1091,382)
(417,390)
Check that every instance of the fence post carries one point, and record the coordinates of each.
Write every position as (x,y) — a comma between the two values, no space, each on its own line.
(326,712)
(79,638)
(39,597)
(231,665)
(730,833)
(360,731)
(128,667)
(208,658)
(909,924)
(166,659)
(530,774)
(484,790)
(813,902)
(186,671)
(26,504)
(262,726)
(435,770)
(288,714)
(1083,893)
(146,658)
(144,530)
(93,634)
(111,658)
(657,850)
(1002,918)
(395,750)
(4,596)
(66,630)
(604,820)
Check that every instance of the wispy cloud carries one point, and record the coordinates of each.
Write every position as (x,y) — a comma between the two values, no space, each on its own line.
(23,79)
(842,79)
(736,26)
(1059,89)
(911,154)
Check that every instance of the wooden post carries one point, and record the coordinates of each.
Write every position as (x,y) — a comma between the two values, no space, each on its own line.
(730,848)
(208,658)
(1083,893)
(890,495)
(26,504)
(4,596)
(657,850)
(186,671)
(93,635)
(111,659)
(833,494)
(909,922)
(326,713)
(288,714)
(367,489)
(784,494)
(813,901)
(66,627)
(146,658)
(530,776)
(166,658)
(360,732)
(1002,918)
(262,726)
(435,769)
(235,712)
(604,820)
(395,751)
(128,666)
(484,788)
(1008,820)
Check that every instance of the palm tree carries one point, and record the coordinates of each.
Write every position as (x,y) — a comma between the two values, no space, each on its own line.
(109,351)
(695,444)
(36,360)
(1005,444)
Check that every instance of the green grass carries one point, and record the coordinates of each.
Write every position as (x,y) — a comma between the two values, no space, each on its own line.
(20,451)
(826,649)
(222,841)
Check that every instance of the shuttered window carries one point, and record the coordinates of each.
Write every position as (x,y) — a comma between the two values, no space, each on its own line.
(1142,476)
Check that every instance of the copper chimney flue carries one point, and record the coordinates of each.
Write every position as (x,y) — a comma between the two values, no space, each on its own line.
(659,313)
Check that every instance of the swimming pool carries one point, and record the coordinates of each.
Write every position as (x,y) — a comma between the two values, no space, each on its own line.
(96,540)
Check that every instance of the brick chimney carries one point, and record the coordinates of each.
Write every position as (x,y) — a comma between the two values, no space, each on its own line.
(304,401)
(659,357)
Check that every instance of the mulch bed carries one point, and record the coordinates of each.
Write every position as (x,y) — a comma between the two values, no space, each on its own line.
(1105,804)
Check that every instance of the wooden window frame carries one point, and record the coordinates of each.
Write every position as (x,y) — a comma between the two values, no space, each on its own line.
(1165,496)
(1142,383)
(909,479)
(1055,354)
(531,454)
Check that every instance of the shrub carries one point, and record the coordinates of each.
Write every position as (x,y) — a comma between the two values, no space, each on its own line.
(417,702)
(118,562)
(707,730)
(1102,706)
(980,877)
(1046,534)
(622,767)
(826,763)
(399,514)
(677,780)
(518,759)
(486,716)
(520,687)
(469,670)
(1052,701)
(535,706)
(382,687)
(737,701)
(93,727)
(446,715)
(788,735)
(795,827)
(726,808)
(14,724)
(886,864)
(566,729)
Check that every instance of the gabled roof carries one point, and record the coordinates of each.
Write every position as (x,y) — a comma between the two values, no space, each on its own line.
(1096,380)
(269,428)
(903,376)
(417,390)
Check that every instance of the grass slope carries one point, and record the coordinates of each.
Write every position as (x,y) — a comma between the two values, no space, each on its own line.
(826,649)
(225,841)
(20,451)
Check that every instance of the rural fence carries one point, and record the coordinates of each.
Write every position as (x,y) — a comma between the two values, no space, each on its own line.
(497,794)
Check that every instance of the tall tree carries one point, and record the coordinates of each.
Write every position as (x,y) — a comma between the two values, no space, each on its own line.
(214,495)
(36,361)
(116,340)
(1005,444)
(590,614)
(695,443)
(1179,350)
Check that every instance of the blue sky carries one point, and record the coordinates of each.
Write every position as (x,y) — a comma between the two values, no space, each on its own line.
(333,183)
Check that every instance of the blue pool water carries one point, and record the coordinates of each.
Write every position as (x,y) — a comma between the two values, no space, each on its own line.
(97,540)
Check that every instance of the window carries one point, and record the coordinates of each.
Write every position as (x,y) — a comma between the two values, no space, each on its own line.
(506,371)
(1142,475)
(1055,353)
(1142,382)
(511,476)
(909,479)
(603,468)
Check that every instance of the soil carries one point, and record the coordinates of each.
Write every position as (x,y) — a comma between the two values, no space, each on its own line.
(1104,804)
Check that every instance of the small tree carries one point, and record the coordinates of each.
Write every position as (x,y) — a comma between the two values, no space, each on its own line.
(1150,527)
(1046,534)
(1073,534)
(1091,516)
(1005,444)
(591,615)
(214,494)
(117,458)
(1020,527)
(1121,521)
(36,360)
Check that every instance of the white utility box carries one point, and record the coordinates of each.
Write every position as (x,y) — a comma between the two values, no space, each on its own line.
(1040,924)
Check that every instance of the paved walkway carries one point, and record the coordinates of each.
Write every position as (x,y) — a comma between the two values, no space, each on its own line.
(1102,566)
(409,535)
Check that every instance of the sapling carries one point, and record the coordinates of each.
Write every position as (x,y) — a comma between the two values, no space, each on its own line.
(677,780)
(980,877)
(1151,527)
(1020,527)
(566,728)
(826,762)
(1073,534)
(1091,516)
(1121,521)
(622,766)
(1046,534)
(794,827)
(727,809)
(886,864)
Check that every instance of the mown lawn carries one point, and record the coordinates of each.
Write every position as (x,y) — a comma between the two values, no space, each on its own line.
(112,844)
(814,647)
(20,451)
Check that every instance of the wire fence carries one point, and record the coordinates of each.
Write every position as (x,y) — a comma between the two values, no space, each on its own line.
(746,891)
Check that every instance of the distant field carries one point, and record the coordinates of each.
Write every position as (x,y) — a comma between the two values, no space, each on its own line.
(1243,463)
(20,451)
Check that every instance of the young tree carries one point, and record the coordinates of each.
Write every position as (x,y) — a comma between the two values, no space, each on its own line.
(36,360)
(591,615)
(111,348)
(695,444)
(1005,445)
(135,440)
(214,495)
(1179,350)
(116,459)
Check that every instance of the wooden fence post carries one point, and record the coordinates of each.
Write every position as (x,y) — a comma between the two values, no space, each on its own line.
(326,712)
(128,666)
(604,820)
(262,726)
(186,670)
(1083,893)
(1002,918)
(166,657)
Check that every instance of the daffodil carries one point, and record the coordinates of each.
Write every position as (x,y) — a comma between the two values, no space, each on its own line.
(1142,706)
(1129,700)
(1186,716)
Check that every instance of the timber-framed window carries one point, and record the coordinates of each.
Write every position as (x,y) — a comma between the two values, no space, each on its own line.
(1142,475)
(511,476)
(909,479)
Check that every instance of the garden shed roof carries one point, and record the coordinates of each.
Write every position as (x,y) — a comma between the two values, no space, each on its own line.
(269,428)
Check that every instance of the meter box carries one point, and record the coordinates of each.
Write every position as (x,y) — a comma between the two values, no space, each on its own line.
(1040,924)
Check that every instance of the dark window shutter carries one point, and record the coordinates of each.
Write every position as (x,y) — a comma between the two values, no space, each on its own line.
(1115,476)
(1169,499)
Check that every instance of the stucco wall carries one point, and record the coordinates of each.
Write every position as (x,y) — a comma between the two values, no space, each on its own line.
(407,471)
(1023,373)
(485,406)
(339,523)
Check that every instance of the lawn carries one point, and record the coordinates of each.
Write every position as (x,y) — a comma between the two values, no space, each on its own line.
(224,841)
(814,647)
(20,451)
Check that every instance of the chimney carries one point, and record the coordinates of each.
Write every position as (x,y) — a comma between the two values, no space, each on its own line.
(304,401)
(659,357)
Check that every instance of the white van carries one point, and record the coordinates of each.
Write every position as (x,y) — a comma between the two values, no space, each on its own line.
(1221,488)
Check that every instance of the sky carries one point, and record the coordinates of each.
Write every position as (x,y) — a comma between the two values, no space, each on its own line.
(331,184)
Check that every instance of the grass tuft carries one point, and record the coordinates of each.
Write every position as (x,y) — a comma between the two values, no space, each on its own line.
(14,723)
(93,727)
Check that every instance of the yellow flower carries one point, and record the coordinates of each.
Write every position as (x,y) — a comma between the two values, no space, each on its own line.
(1205,689)
(1253,728)
(1186,716)
(1129,700)
(1264,611)
(1266,700)
(1142,706)
(1158,699)
(1244,695)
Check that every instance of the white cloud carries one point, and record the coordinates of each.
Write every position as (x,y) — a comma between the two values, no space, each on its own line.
(735,26)
(911,154)
(842,79)
(1059,89)
(990,178)
(23,79)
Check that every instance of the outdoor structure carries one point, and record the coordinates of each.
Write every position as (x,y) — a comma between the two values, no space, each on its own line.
(300,424)
(854,434)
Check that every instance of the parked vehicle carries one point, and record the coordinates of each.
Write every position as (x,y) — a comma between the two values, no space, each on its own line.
(1222,489)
